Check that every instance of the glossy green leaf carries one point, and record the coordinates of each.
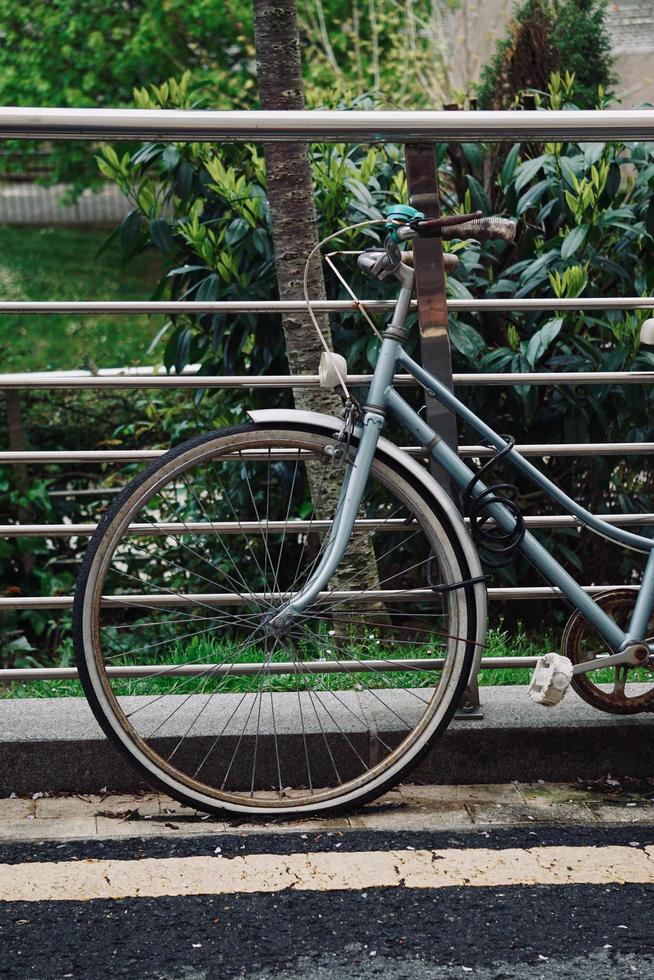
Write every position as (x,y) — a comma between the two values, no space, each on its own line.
(183,349)
(478,195)
(527,171)
(184,179)
(208,290)
(531,197)
(542,339)
(236,231)
(473,155)
(573,241)
(457,289)
(510,164)
(130,231)
(465,338)
(170,157)
(568,170)
(161,235)
(613,181)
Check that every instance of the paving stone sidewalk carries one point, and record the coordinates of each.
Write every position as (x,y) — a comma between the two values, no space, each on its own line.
(409,807)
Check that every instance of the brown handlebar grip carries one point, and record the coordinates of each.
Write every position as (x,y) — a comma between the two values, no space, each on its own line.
(435,224)
(483,229)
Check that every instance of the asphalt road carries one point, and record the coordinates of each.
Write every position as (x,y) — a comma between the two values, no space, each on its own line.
(569,930)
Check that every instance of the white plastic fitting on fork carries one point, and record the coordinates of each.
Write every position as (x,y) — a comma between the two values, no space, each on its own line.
(332,370)
(647,332)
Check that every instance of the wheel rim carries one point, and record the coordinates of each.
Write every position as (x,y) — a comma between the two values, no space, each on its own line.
(232,713)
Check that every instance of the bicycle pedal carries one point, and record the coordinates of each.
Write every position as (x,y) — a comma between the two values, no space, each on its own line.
(550,679)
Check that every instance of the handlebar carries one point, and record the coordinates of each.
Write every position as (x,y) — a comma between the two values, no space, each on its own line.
(383,262)
(450,260)
(481,229)
(375,261)
(463,226)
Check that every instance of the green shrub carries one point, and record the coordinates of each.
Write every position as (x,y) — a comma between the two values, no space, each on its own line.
(546,36)
(65,53)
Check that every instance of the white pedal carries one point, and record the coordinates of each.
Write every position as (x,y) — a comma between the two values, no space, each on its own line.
(551,679)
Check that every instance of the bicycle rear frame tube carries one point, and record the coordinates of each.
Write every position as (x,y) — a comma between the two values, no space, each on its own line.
(382,397)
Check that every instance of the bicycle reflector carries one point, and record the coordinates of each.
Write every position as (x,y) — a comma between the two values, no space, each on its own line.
(332,371)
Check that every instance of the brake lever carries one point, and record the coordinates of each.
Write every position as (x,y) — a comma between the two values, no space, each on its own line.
(390,260)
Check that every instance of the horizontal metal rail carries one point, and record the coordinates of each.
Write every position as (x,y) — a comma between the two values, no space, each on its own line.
(141,455)
(299,526)
(55,379)
(12,674)
(329,126)
(153,307)
(234,599)
(270,527)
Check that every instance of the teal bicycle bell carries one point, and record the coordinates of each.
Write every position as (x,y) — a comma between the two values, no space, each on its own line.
(401,213)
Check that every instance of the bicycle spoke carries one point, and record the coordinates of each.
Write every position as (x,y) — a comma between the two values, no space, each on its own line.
(211,669)
(275,584)
(360,719)
(373,692)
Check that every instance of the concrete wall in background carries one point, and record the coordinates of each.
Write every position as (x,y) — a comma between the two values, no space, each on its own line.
(24,203)
(631,24)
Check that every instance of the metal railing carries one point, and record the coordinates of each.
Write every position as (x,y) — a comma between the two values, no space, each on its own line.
(326,126)
(407,127)
(146,378)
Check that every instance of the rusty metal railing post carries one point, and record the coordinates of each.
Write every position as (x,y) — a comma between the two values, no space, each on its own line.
(430,291)
(435,350)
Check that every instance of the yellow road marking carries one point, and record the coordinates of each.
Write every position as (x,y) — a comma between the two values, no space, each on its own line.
(323,871)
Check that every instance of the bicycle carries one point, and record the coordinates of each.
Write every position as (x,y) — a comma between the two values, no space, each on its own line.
(280,617)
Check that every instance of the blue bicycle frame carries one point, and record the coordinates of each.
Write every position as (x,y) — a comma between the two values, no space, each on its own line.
(383,398)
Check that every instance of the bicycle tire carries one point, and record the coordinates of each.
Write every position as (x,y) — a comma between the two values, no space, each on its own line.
(108,555)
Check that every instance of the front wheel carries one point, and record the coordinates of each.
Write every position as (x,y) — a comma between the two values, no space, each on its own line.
(185,670)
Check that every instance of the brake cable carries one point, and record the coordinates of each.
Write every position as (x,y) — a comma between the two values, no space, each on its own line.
(316,326)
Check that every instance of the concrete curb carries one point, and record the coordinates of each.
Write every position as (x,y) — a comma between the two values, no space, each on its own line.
(56,745)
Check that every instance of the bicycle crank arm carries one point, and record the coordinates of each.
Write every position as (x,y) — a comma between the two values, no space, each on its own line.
(553,673)
(636,654)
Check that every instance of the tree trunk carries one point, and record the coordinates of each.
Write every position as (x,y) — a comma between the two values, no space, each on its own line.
(293,220)
(290,194)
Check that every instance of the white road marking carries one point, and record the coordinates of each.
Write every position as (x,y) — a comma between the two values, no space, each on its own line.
(324,871)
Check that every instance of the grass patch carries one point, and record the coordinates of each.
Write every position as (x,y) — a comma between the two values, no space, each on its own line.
(62,264)
(500,644)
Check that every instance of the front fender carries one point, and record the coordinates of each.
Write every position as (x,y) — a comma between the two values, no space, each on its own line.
(332,425)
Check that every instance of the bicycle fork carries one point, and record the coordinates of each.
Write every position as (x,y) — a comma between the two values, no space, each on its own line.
(351,495)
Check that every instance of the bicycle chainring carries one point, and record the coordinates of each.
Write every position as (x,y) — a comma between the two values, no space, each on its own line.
(610,690)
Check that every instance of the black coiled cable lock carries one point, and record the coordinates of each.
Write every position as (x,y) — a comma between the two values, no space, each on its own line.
(497,546)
